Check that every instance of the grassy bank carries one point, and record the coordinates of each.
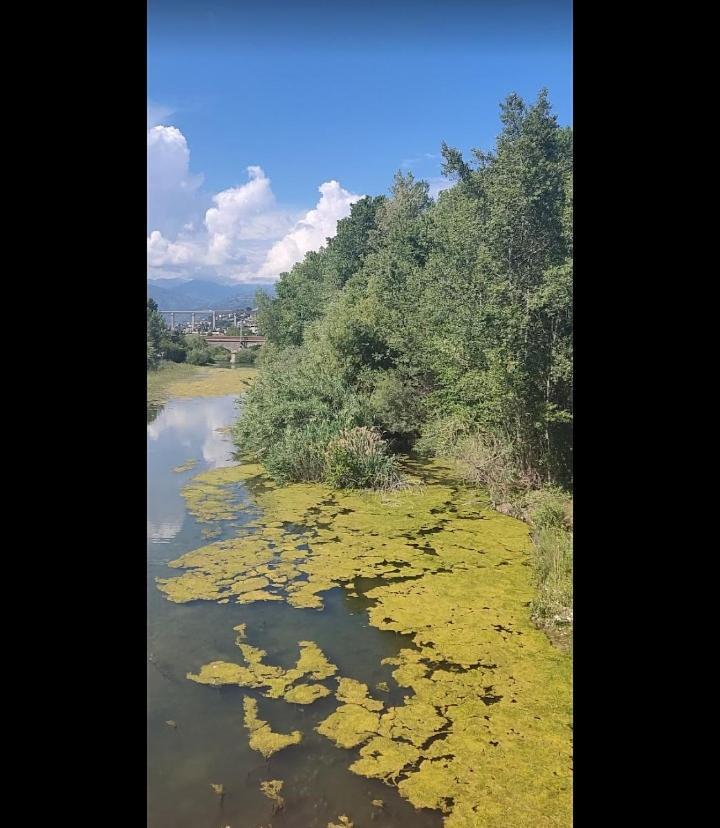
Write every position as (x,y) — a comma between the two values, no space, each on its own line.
(173,380)
(495,466)
(549,513)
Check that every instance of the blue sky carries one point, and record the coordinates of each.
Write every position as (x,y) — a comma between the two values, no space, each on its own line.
(321,92)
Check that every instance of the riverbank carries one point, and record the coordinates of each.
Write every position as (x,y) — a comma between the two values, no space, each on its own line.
(548,513)
(174,380)
(485,735)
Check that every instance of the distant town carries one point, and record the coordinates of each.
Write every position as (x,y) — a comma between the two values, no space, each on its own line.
(233,322)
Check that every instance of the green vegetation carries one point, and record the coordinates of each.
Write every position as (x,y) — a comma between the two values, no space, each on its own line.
(358,459)
(200,353)
(172,346)
(485,733)
(248,356)
(445,325)
(162,343)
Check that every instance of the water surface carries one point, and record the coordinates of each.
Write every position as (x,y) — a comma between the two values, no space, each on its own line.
(209,744)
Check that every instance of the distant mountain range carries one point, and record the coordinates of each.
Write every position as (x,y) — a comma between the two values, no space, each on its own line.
(174,294)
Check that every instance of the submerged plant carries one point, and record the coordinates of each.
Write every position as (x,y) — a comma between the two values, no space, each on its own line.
(271,789)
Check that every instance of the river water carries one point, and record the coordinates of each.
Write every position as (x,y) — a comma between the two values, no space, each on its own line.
(206,743)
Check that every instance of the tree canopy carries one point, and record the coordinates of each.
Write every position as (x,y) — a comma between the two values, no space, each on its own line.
(420,313)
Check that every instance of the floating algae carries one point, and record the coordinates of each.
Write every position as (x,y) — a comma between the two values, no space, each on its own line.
(384,758)
(186,466)
(271,789)
(184,381)
(313,661)
(355,692)
(414,722)
(262,738)
(276,681)
(343,822)
(306,693)
(213,495)
(350,725)
(485,736)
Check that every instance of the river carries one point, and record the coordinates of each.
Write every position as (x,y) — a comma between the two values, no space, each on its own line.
(196,737)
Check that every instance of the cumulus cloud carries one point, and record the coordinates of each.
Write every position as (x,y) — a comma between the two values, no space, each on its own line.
(171,188)
(235,235)
(244,236)
(312,231)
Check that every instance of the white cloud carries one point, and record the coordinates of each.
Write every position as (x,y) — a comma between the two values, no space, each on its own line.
(312,231)
(235,235)
(171,188)
(437,185)
(161,252)
(244,236)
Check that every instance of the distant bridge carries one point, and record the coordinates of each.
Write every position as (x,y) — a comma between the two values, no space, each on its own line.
(234,343)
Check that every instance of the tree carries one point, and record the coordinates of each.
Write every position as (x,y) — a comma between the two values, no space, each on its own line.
(455,311)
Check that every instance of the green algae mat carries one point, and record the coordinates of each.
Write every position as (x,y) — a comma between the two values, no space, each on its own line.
(183,381)
(485,734)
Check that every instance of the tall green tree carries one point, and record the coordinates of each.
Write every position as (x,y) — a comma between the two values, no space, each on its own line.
(455,309)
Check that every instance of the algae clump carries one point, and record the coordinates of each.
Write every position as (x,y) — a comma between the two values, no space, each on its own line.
(485,737)
(271,789)
(306,693)
(262,737)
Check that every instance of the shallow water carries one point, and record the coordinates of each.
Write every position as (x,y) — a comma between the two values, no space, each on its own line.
(209,744)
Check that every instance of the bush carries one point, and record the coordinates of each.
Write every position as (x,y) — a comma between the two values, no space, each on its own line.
(199,356)
(397,404)
(296,388)
(357,459)
(440,437)
(489,461)
(299,456)
(173,351)
(548,508)
(153,357)
(247,356)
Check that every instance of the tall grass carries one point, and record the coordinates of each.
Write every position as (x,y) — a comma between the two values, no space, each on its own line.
(358,459)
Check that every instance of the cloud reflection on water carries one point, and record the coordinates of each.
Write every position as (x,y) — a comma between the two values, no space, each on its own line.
(184,430)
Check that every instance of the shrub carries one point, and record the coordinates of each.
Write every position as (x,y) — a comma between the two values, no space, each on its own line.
(548,508)
(397,404)
(199,356)
(358,459)
(153,357)
(299,455)
(296,388)
(440,437)
(489,461)
(247,356)
(173,351)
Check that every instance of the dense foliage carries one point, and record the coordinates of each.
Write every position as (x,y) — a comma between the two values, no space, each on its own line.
(442,323)
(164,344)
